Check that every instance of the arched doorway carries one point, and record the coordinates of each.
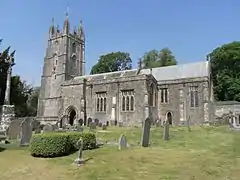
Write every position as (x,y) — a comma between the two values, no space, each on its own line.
(169,117)
(72,116)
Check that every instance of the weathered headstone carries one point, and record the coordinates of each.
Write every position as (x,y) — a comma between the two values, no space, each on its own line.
(166,131)
(48,128)
(104,127)
(81,122)
(120,124)
(93,125)
(79,159)
(26,132)
(146,132)
(96,121)
(14,129)
(158,123)
(35,124)
(122,143)
(188,124)
(89,121)
(79,128)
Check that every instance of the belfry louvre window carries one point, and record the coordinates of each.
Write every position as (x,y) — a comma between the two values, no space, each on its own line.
(194,101)
(164,95)
(128,100)
(101,101)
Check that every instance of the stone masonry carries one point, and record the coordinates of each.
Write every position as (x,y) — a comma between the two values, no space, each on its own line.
(176,93)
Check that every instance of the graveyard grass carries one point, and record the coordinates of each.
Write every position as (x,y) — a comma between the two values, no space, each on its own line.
(204,153)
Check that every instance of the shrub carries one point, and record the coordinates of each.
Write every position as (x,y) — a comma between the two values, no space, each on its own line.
(59,144)
(89,140)
(50,145)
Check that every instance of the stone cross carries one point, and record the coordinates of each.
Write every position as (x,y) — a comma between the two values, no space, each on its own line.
(140,63)
(79,159)
(166,131)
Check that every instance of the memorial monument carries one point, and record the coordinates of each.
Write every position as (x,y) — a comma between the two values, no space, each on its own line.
(7,112)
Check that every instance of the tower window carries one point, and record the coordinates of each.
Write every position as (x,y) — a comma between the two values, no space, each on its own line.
(74,48)
(128,100)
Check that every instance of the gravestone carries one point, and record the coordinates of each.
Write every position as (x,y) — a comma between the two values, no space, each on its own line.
(37,131)
(63,121)
(100,124)
(79,159)
(14,129)
(79,128)
(104,127)
(26,132)
(166,131)
(81,122)
(35,124)
(96,121)
(48,128)
(93,125)
(120,124)
(89,121)
(158,123)
(146,132)
(122,143)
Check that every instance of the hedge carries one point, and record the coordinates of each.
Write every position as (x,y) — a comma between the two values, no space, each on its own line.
(89,140)
(59,144)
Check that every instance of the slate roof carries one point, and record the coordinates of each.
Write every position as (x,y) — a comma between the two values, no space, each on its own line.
(110,75)
(181,71)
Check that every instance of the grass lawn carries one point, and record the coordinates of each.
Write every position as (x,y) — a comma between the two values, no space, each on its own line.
(205,153)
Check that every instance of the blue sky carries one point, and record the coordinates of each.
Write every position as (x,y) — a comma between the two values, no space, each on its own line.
(191,29)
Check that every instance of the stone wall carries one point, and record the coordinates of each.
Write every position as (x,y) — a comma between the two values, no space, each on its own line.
(113,88)
(179,101)
(223,107)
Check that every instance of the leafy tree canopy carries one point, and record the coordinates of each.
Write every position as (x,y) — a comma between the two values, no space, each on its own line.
(115,61)
(155,58)
(225,65)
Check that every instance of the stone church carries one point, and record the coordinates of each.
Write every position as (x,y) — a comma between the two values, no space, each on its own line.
(178,93)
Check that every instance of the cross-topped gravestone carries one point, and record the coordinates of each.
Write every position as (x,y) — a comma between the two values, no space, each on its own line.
(79,159)
(166,131)
(146,132)
(140,63)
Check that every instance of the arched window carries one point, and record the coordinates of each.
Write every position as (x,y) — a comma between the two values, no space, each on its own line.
(127,104)
(127,100)
(105,104)
(74,48)
(101,101)
(123,103)
(151,97)
(98,103)
(132,103)
(101,104)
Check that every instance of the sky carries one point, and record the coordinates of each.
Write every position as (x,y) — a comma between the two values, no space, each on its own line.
(190,29)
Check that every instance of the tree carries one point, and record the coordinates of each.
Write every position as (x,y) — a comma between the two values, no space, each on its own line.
(115,61)
(33,101)
(225,66)
(5,63)
(19,96)
(155,58)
